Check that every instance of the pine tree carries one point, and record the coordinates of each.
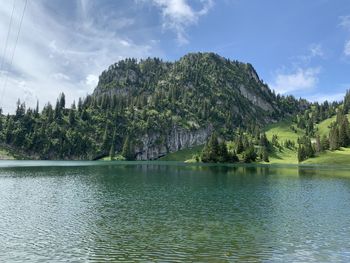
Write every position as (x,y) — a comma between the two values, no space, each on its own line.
(309,149)
(275,140)
(309,127)
(347,102)
(80,105)
(239,145)
(344,139)
(112,149)
(263,140)
(105,139)
(301,153)
(334,139)
(62,101)
(36,112)
(249,155)
(223,155)
(325,143)
(265,155)
(58,112)
(318,146)
(205,155)
(214,150)
(71,117)
(233,158)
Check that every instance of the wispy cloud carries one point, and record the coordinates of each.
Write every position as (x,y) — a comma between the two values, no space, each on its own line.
(314,51)
(347,48)
(345,22)
(330,97)
(54,54)
(178,15)
(299,80)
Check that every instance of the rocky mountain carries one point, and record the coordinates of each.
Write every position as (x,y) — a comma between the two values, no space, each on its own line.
(188,99)
(148,108)
(206,80)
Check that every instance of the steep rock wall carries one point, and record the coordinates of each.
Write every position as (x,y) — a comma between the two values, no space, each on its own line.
(155,145)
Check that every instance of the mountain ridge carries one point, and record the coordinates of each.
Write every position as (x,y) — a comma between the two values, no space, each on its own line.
(148,108)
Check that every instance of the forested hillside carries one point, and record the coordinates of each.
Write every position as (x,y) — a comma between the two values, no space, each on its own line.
(146,109)
(318,135)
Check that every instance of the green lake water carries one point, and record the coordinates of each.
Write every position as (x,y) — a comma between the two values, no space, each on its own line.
(169,212)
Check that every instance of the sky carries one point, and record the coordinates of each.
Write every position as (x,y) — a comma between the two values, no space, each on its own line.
(297,47)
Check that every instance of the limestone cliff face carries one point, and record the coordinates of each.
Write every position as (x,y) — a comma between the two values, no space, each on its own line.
(255,99)
(155,145)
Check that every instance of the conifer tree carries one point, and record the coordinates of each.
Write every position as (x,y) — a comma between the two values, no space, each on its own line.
(223,155)
(301,153)
(325,143)
(347,102)
(233,158)
(62,101)
(239,145)
(249,155)
(263,140)
(266,155)
(318,146)
(105,139)
(71,117)
(334,139)
(112,149)
(344,139)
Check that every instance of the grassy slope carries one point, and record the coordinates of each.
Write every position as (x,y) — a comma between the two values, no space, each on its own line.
(284,156)
(330,157)
(323,127)
(284,132)
(182,155)
(336,157)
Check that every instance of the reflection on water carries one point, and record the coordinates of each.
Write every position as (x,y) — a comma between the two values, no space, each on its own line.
(157,212)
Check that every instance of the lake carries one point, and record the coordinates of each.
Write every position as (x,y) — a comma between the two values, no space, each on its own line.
(172,212)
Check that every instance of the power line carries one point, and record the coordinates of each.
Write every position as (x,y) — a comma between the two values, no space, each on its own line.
(14,49)
(19,31)
(7,37)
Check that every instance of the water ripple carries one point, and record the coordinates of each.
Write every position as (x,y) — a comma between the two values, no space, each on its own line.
(152,213)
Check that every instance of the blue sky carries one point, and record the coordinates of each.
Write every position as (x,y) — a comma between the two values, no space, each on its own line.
(298,47)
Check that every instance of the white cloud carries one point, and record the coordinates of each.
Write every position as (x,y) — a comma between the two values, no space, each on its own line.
(316,50)
(322,97)
(178,15)
(60,76)
(345,22)
(55,54)
(300,80)
(91,80)
(347,48)
(125,43)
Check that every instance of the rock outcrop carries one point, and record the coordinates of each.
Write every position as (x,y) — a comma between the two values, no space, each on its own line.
(255,99)
(155,145)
